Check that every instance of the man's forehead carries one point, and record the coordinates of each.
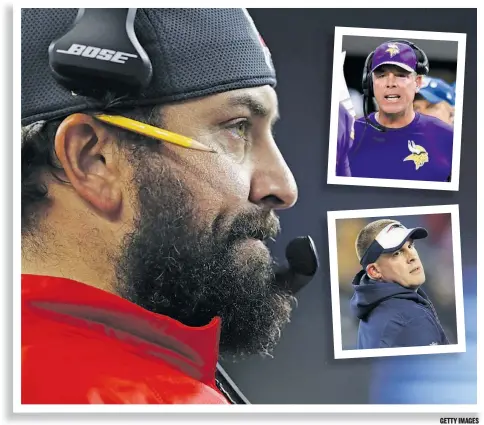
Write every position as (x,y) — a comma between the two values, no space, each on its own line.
(259,101)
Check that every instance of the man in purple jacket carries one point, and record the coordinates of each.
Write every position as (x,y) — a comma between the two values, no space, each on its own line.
(409,145)
(393,309)
(346,136)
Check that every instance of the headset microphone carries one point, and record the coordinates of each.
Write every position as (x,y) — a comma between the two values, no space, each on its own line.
(303,263)
(375,125)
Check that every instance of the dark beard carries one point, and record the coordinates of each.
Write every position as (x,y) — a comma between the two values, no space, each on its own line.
(170,265)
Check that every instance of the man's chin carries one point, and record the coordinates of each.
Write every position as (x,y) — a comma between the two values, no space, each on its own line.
(419,279)
(250,250)
(417,284)
(393,112)
(260,338)
(251,242)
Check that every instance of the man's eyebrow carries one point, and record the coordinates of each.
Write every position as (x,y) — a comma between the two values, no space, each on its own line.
(255,107)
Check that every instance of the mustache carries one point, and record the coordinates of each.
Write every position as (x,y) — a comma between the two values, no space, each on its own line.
(256,224)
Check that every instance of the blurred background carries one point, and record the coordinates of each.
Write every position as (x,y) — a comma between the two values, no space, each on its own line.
(442,56)
(303,369)
(436,255)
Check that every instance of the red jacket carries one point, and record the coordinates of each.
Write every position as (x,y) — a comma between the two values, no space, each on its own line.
(83,345)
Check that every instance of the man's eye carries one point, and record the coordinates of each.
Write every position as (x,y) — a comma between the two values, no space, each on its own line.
(396,253)
(240,129)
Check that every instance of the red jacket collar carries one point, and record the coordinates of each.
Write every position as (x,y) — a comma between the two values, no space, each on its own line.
(194,350)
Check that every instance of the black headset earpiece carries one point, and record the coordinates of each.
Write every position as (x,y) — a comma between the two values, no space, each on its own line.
(101,54)
(367,81)
(367,86)
(423,66)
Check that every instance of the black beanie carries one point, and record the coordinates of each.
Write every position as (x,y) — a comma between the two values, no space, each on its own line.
(193,52)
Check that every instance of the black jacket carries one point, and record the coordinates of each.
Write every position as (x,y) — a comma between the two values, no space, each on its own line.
(393,316)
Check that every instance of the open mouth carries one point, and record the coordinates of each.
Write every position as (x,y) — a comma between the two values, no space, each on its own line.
(415,270)
(392,97)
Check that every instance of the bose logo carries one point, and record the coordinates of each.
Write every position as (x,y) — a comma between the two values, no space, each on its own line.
(97,53)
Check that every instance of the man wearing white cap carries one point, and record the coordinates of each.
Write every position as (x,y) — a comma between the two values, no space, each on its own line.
(393,310)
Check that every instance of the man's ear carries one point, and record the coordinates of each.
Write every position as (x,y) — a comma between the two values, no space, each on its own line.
(81,146)
(373,271)
(418,83)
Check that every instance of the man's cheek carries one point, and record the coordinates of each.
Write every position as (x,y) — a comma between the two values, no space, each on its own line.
(224,178)
(237,183)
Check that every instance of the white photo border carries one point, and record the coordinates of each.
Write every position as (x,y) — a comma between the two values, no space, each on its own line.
(339,353)
(460,38)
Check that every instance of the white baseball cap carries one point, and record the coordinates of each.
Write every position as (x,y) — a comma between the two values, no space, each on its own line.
(390,239)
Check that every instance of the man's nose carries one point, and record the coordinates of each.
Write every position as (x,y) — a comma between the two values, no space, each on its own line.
(272,185)
(391,80)
(411,257)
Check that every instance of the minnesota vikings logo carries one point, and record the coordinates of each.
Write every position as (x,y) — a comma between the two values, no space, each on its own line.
(419,155)
(392,49)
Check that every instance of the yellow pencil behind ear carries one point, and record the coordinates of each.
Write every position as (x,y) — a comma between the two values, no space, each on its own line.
(151,131)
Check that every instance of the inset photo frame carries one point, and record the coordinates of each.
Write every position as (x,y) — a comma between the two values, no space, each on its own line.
(396,281)
(396,108)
